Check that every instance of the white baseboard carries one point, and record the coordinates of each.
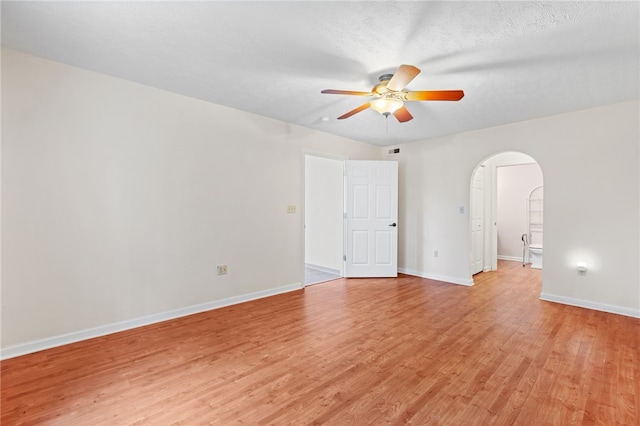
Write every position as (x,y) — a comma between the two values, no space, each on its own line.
(322,269)
(435,277)
(513,258)
(629,312)
(76,336)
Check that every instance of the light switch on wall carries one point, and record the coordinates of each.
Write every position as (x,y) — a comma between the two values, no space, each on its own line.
(291,208)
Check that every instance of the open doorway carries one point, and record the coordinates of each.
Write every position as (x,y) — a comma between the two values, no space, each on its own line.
(323,219)
(501,211)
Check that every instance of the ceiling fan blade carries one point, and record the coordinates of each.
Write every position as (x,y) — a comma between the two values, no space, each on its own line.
(403,114)
(435,95)
(354,111)
(402,77)
(345,92)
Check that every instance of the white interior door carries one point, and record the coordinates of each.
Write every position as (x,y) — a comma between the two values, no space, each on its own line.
(371,216)
(477,221)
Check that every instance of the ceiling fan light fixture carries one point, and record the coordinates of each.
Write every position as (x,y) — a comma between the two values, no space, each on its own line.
(386,105)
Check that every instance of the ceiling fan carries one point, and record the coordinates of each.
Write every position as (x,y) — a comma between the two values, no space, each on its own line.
(390,94)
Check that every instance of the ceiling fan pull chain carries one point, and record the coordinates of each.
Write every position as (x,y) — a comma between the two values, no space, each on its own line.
(387,120)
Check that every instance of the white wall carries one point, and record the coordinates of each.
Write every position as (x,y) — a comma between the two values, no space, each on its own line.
(119,200)
(590,163)
(514,183)
(324,212)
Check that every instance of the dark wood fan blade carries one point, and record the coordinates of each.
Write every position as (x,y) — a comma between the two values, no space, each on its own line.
(402,77)
(355,111)
(435,95)
(403,114)
(346,92)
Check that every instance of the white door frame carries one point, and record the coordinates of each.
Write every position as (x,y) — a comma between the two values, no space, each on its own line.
(492,162)
(341,160)
(478,225)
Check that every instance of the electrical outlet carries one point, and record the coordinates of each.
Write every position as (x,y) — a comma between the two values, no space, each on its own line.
(222,270)
(435,253)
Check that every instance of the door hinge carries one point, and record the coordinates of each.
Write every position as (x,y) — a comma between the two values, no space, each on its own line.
(344,257)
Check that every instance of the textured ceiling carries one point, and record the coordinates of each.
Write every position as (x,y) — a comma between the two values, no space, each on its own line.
(514,60)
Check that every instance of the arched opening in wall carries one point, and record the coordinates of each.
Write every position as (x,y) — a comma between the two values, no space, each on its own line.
(506,211)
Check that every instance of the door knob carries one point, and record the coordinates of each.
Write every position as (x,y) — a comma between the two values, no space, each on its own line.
(393,224)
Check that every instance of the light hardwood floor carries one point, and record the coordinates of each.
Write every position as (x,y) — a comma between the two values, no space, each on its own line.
(358,351)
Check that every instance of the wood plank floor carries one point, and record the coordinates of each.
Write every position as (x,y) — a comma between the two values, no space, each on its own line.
(358,351)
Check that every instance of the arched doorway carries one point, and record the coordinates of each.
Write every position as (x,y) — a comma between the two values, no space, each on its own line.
(499,209)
